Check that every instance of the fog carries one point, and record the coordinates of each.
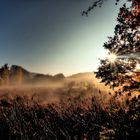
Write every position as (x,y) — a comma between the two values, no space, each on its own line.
(74,88)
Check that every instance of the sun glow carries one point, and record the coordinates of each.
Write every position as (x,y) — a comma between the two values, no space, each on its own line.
(112,57)
(138,67)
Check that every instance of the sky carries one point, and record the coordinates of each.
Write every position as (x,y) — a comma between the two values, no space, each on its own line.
(51,36)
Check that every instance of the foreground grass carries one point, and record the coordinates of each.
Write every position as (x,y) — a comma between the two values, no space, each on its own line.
(22,118)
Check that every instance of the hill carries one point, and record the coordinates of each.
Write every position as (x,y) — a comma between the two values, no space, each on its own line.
(20,76)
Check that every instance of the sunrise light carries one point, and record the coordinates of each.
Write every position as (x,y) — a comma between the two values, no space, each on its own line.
(112,57)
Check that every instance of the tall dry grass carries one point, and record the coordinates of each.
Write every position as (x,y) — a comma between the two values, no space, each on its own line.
(74,110)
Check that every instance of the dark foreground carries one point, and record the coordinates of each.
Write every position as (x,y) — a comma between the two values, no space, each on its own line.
(25,119)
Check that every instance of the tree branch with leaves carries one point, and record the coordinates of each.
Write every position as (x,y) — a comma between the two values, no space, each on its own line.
(123,73)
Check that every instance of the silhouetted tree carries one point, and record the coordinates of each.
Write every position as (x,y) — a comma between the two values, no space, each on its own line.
(123,70)
(99,3)
(4,74)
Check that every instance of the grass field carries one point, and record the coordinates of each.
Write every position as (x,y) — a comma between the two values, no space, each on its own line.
(78,108)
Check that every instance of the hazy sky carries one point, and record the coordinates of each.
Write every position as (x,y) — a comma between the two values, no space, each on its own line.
(51,36)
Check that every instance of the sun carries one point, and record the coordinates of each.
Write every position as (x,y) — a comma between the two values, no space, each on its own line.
(112,57)
(137,67)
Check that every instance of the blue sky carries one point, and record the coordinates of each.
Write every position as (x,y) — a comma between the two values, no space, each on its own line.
(51,36)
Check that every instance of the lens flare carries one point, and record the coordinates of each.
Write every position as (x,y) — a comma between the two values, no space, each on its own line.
(112,57)
(138,67)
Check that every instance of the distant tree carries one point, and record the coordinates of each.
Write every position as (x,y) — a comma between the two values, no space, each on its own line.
(19,75)
(121,68)
(4,74)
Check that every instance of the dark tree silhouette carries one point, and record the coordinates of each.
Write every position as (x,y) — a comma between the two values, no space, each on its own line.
(121,68)
(99,3)
(4,74)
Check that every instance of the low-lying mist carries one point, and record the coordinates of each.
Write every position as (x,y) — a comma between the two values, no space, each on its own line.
(75,88)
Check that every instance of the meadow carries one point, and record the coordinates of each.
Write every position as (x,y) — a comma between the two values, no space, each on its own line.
(78,108)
